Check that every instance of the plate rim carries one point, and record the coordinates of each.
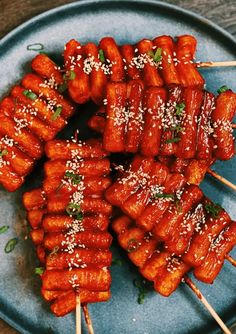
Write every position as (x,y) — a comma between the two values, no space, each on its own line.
(81,3)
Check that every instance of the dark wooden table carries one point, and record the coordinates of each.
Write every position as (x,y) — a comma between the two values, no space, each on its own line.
(15,12)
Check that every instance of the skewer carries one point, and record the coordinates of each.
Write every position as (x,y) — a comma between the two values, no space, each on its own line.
(88,319)
(78,315)
(198,293)
(216,63)
(221,179)
(231,260)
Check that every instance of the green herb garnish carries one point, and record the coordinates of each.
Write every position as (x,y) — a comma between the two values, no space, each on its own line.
(141,285)
(11,245)
(101,56)
(179,109)
(79,216)
(32,96)
(178,205)
(39,270)
(75,178)
(132,245)
(56,113)
(177,128)
(172,140)
(157,55)
(117,262)
(70,75)
(63,87)
(35,47)
(156,196)
(3,152)
(3,229)
(73,209)
(213,209)
(222,89)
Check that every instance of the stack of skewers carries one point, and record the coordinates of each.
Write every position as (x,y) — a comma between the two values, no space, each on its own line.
(151,107)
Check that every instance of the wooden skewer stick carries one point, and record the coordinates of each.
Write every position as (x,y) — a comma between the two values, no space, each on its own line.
(231,260)
(221,179)
(88,319)
(216,63)
(78,315)
(198,293)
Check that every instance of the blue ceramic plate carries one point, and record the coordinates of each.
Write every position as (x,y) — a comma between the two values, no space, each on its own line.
(20,302)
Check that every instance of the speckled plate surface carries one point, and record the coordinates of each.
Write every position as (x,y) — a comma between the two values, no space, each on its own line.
(20,302)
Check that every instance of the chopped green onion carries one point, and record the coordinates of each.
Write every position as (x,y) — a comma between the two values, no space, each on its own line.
(157,56)
(65,76)
(3,229)
(178,205)
(156,196)
(73,209)
(39,270)
(141,297)
(3,152)
(70,75)
(79,216)
(117,262)
(57,113)
(30,94)
(222,89)
(35,47)
(69,175)
(179,109)
(76,179)
(142,287)
(11,245)
(213,209)
(151,54)
(172,140)
(132,245)
(101,56)
(177,128)
(63,87)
